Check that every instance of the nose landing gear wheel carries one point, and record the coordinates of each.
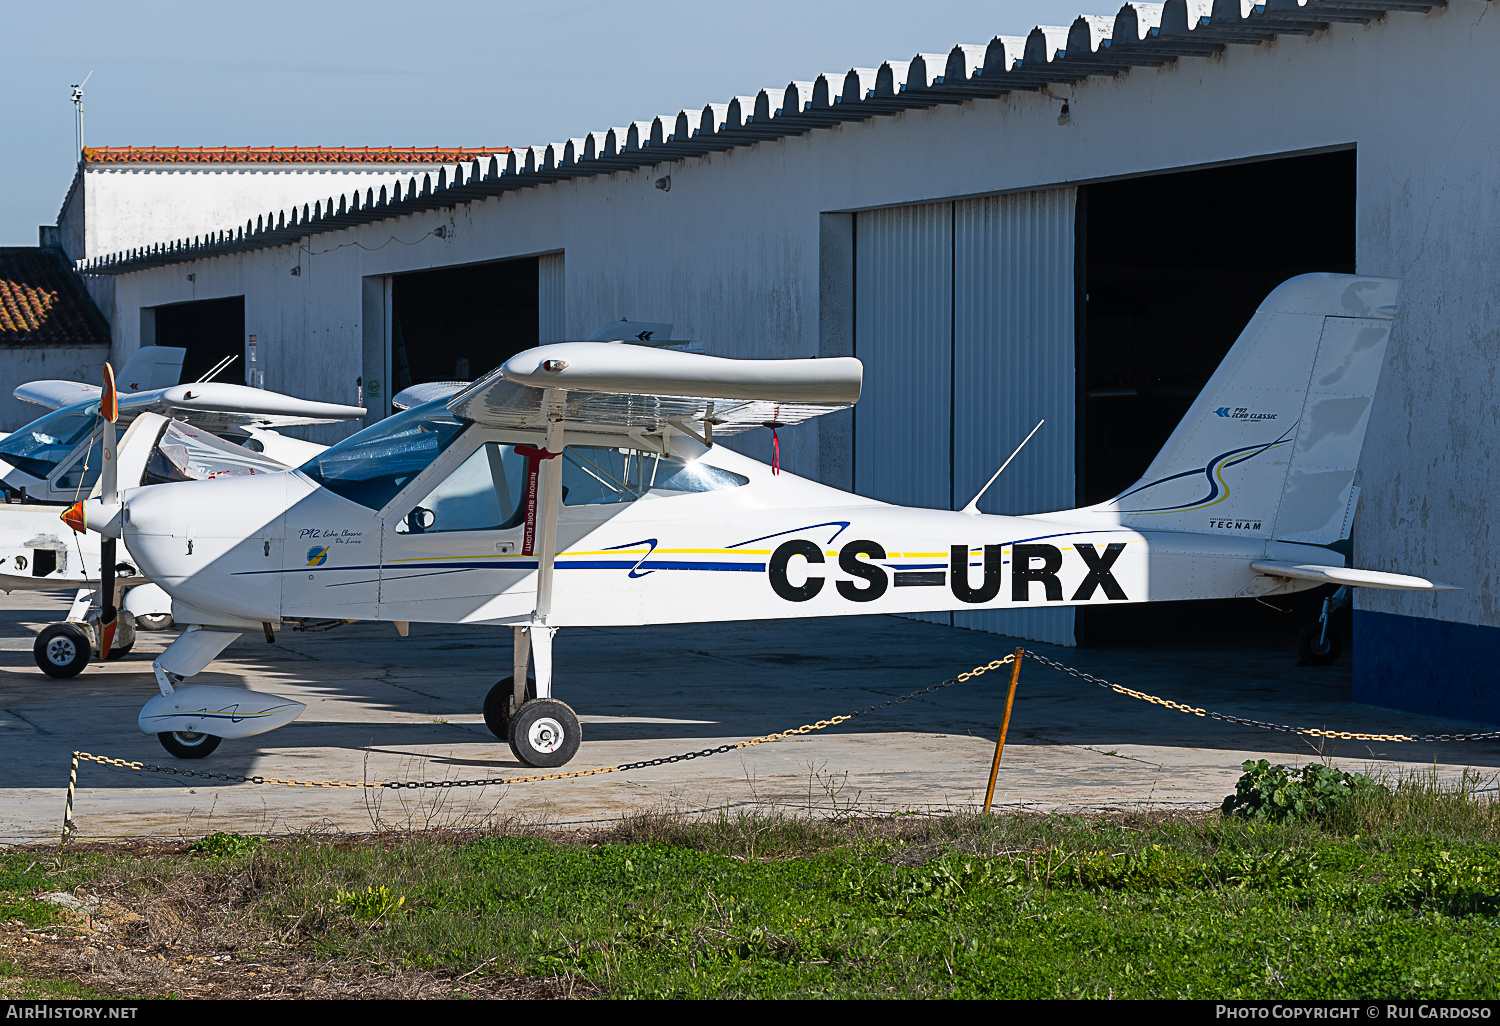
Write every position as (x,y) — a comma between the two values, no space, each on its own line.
(62,650)
(545,733)
(187,744)
(497,705)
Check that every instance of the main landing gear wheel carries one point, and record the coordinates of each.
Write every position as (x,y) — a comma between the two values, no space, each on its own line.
(1312,652)
(62,650)
(188,745)
(153,621)
(497,705)
(545,733)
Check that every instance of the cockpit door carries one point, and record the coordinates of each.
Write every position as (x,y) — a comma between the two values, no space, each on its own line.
(456,553)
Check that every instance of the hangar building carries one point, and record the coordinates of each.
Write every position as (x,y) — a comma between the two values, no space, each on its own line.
(1074,225)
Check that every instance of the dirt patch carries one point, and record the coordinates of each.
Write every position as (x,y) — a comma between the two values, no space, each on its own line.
(256,970)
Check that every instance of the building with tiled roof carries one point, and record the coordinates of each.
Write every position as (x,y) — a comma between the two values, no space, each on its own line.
(42,302)
(403,155)
(49,326)
(128,196)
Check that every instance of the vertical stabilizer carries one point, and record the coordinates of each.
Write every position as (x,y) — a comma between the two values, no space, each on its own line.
(152,367)
(1270,446)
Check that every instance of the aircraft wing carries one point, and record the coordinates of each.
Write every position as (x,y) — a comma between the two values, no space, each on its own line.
(54,393)
(217,406)
(609,387)
(1347,575)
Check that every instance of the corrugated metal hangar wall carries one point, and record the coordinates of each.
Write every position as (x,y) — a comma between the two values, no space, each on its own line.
(964,318)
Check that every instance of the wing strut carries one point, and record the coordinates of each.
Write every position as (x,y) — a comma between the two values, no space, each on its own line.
(538,635)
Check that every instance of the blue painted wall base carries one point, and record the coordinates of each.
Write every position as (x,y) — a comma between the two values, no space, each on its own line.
(1427,666)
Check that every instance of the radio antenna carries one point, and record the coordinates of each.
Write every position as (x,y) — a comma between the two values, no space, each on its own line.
(973,506)
(78,111)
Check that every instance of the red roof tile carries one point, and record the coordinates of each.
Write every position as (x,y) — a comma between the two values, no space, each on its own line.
(42,302)
(286,154)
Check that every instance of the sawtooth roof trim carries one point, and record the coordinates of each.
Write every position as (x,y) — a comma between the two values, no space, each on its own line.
(97,155)
(1140,35)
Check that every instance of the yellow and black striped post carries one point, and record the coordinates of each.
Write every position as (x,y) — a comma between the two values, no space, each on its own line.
(67,830)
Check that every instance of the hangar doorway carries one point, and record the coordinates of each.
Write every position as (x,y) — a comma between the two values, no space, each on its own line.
(1172,267)
(209,329)
(456,323)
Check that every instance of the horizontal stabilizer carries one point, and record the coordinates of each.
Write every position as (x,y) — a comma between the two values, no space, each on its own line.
(1347,575)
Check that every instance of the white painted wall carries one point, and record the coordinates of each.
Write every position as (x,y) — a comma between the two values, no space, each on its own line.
(122,206)
(731,254)
(20,364)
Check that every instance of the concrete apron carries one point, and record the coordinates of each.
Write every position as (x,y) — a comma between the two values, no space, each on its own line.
(385,708)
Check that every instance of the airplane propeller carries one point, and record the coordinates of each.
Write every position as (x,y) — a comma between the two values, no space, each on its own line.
(109,499)
(109,491)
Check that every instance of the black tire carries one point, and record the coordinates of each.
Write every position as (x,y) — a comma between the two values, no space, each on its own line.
(120,652)
(187,745)
(62,650)
(497,705)
(545,733)
(153,622)
(1310,653)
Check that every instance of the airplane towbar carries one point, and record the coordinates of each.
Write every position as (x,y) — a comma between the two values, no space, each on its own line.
(634,370)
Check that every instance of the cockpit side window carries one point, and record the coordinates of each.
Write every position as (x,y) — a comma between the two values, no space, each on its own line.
(483,493)
(371,467)
(595,476)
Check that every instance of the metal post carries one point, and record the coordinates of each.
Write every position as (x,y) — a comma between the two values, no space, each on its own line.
(1015,676)
(67,830)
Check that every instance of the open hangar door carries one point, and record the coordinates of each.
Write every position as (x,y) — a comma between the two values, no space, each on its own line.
(456,323)
(964,318)
(1173,266)
(209,329)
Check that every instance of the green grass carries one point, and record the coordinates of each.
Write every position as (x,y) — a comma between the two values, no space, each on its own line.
(1396,897)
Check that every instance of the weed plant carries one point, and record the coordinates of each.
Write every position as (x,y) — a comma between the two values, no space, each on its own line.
(1391,892)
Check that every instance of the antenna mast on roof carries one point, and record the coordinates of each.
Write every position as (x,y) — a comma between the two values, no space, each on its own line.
(78,111)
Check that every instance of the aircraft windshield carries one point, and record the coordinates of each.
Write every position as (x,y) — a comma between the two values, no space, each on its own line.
(372,466)
(41,445)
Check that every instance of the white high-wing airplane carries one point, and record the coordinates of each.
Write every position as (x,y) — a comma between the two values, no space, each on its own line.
(578,485)
(176,433)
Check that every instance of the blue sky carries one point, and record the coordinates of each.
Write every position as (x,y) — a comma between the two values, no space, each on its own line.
(423,73)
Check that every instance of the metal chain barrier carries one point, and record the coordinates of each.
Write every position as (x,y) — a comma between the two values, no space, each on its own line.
(536,777)
(1342,735)
(1119,689)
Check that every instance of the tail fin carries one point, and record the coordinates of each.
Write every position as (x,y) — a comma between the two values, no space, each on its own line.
(151,367)
(1270,446)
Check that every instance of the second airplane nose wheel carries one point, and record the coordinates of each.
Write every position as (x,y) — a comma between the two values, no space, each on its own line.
(61,650)
(545,733)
